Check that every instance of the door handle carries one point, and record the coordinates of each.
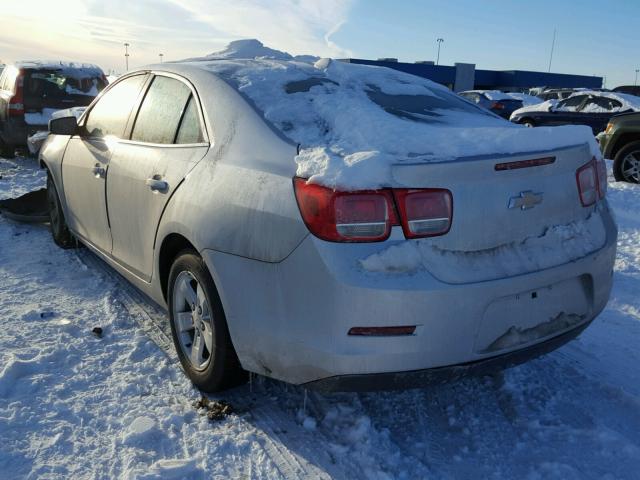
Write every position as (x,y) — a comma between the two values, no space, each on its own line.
(98,171)
(156,184)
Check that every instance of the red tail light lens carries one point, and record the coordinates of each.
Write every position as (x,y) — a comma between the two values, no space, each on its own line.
(497,106)
(601,169)
(424,213)
(364,216)
(587,179)
(16,102)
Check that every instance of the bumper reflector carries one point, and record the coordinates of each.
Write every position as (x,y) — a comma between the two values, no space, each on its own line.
(382,331)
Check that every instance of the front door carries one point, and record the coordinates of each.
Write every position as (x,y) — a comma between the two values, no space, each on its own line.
(86,162)
(166,142)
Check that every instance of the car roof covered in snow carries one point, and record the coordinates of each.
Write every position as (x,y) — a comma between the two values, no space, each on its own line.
(629,102)
(495,95)
(352,122)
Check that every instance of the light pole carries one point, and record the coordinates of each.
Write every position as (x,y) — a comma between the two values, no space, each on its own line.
(126,56)
(161,55)
(553,44)
(439,40)
(635,82)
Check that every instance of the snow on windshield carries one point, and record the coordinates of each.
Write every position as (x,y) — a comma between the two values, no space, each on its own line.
(353,122)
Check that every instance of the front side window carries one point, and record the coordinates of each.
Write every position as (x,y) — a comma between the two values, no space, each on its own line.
(110,115)
(571,104)
(161,111)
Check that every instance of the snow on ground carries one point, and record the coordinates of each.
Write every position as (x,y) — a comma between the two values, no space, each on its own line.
(73,405)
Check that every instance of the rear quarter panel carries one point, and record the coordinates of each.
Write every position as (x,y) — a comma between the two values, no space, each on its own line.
(239,198)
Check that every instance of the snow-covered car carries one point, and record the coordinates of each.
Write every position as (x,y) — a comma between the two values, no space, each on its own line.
(587,107)
(30,91)
(341,226)
(526,99)
(500,103)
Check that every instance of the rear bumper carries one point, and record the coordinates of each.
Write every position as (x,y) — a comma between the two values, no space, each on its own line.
(290,320)
(433,376)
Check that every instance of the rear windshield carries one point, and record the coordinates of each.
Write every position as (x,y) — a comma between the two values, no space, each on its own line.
(59,84)
(420,108)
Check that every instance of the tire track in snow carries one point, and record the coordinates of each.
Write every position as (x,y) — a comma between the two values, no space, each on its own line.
(268,418)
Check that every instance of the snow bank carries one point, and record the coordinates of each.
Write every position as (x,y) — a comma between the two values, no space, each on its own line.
(353,122)
(558,245)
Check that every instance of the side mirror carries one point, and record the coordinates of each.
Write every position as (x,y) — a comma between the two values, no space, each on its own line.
(63,126)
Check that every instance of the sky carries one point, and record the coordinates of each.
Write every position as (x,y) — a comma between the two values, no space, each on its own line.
(594,37)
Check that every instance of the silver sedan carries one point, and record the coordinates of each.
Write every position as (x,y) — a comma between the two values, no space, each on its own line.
(178,180)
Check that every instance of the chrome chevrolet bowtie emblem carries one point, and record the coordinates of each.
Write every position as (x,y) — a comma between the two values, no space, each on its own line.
(525,200)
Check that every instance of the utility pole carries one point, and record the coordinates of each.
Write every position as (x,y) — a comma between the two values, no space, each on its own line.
(439,40)
(635,82)
(126,56)
(553,44)
(161,55)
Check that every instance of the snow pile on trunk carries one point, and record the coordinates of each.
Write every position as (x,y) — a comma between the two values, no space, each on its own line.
(353,122)
(558,245)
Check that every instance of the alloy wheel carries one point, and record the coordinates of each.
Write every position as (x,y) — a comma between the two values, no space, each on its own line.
(631,167)
(192,320)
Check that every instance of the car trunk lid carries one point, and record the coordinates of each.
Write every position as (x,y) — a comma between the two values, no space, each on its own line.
(500,199)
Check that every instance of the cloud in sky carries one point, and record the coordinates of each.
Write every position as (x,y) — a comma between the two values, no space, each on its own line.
(95,30)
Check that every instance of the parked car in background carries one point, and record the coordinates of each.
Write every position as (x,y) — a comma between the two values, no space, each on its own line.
(31,91)
(628,89)
(621,142)
(493,100)
(216,188)
(590,108)
(556,94)
(526,99)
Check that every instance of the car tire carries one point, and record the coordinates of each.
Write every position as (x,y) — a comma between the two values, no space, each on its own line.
(527,122)
(626,164)
(199,326)
(59,229)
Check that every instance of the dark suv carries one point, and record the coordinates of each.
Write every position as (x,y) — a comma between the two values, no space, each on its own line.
(31,91)
(621,143)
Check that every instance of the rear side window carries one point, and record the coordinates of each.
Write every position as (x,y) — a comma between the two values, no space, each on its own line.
(189,131)
(110,114)
(161,111)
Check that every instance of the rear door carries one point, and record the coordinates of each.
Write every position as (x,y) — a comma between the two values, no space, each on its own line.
(167,139)
(598,110)
(86,161)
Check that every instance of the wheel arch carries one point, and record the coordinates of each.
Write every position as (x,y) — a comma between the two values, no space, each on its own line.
(171,246)
(622,141)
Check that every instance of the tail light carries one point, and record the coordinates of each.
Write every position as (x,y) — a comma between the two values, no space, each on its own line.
(497,106)
(363,216)
(368,215)
(601,170)
(587,178)
(424,213)
(16,102)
